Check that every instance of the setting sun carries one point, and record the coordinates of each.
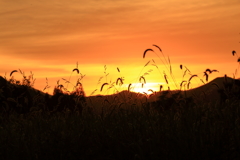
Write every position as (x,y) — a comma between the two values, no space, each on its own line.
(147,88)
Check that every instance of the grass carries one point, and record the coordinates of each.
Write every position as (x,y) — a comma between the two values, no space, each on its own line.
(125,125)
(199,132)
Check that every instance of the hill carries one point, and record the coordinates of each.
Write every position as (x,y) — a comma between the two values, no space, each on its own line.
(23,97)
(217,89)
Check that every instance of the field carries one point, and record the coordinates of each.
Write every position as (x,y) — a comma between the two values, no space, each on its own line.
(180,124)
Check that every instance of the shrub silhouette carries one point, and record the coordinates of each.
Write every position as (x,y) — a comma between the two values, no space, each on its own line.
(62,101)
(23,98)
(230,90)
(16,97)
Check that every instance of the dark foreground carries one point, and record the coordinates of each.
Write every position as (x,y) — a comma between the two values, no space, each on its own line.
(209,131)
(34,125)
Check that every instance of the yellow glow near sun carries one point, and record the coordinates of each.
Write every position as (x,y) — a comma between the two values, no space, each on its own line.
(147,88)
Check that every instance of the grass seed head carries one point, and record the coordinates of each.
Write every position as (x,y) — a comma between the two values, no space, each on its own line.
(233,52)
(76,69)
(188,85)
(142,78)
(118,69)
(157,47)
(161,86)
(103,86)
(119,81)
(208,70)
(144,54)
(12,72)
(129,87)
(192,77)
(165,77)
(205,74)
(182,84)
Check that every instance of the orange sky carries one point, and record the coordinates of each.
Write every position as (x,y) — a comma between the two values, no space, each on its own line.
(48,37)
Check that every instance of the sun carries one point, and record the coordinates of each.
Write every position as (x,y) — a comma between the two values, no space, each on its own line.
(142,90)
(148,88)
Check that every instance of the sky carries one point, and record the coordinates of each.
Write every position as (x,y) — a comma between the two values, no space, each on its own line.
(50,37)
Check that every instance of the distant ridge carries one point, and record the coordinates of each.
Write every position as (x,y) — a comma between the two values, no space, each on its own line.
(207,92)
(211,90)
(4,84)
(219,81)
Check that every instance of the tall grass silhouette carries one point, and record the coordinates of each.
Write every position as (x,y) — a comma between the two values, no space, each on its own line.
(168,124)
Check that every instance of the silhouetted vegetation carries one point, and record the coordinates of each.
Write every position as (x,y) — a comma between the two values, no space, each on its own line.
(201,123)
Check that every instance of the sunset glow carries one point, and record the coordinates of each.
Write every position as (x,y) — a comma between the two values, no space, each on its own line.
(50,37)
(148,88)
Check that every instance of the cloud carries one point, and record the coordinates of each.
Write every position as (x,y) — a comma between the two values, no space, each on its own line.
(50,31)
(59,33)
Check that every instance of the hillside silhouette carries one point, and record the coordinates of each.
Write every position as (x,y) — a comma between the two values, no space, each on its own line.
(219,89)
(24,98)
(21,98)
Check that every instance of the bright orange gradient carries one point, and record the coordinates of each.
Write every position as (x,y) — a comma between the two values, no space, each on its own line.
(50,37)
